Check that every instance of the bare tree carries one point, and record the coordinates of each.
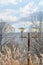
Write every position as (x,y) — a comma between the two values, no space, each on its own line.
(37,28)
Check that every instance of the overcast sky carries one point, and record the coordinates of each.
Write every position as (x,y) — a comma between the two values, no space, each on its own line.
(16,12)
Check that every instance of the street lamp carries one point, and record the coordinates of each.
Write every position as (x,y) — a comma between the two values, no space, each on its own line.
(36,30)
(21,30)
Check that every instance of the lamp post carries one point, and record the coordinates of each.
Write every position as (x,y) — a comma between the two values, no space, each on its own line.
(21,30)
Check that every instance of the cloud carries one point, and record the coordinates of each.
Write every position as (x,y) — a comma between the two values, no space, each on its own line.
(15,2)
(41,3)
(38,6)
(8,1)
(6,15)
(26,9)
(35,9)
(8,18)
(30,8)
(23,24)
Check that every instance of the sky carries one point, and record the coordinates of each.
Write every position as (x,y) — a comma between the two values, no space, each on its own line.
(16,12)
